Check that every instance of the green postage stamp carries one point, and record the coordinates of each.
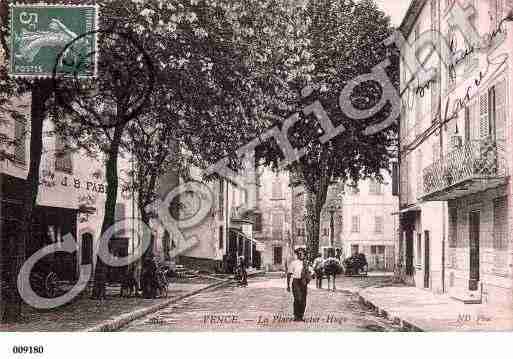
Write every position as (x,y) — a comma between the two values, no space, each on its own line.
(45,38)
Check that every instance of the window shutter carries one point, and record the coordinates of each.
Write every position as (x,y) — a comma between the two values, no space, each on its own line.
(493,15)
(499,14)
(467,124)
(395,179)
(419,176)
(483,116)
(474,120)
(500,112)
(63,161)
(500,223)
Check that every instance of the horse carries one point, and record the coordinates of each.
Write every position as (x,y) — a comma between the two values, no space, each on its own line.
(331,267)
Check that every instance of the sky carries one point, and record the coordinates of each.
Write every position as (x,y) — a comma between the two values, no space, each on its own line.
(395,9)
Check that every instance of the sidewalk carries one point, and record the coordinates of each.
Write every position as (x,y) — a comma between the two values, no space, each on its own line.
(85,314)
(421,310)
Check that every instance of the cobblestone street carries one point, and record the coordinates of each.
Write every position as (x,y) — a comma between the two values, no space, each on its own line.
(266,305)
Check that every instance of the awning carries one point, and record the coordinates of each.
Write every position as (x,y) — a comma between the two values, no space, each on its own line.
(240,233)
(408,209)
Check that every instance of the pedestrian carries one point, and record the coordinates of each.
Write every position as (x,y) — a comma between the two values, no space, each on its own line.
(318,270)
(242,272)
(300,273)
(331,267)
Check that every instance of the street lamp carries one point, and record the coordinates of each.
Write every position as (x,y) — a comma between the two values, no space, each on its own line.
(332,210)
(334,206)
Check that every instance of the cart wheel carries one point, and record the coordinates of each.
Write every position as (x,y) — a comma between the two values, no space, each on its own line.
(51,285)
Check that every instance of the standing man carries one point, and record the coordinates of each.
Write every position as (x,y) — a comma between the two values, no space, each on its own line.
(301,274)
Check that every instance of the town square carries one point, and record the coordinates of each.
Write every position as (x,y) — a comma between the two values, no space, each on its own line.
(255,166)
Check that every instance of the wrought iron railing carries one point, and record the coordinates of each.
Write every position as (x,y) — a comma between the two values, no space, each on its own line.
(481,159)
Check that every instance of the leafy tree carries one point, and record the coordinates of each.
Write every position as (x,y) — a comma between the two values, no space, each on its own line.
(212,80)
(345,40)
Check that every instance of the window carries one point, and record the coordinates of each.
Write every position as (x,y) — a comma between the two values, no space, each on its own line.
(451,70)
(354,248)
(355,224)
(277,193)
(120,212)
(378,224)
(258,222)
(373,249)
(375,187)
(496,15)
(63,161)
(419,175)
(395,179)
(20,136)
(381,249)
(221,199)
(500,112)
(500,224)
(277,222)
(221,237)
(467,124)
(419,249)
(277,255)
(491,110)
(325,231)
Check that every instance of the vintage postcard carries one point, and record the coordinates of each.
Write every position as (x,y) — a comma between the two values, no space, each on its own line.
(255,166)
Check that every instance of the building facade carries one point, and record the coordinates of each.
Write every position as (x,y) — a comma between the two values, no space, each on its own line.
(370,224)
(273,218)
(455,135)
(354,219)
(215,241)
(71,200)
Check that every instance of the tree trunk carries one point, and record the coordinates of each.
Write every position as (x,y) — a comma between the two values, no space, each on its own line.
(315,198)
(313,222)
(40,93)
(111,169)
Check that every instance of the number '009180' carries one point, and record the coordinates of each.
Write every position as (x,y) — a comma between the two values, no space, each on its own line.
(27,349)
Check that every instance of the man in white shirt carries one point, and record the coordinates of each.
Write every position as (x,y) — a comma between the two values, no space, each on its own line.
(300,273)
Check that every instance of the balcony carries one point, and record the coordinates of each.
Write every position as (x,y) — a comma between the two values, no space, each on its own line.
(472,167)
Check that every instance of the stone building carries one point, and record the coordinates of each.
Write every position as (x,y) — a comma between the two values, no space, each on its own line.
(360,218)
(370,225)
(70,201)
(273,218)
(218,237)
(455,135)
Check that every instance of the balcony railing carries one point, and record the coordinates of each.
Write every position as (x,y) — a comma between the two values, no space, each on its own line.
(472,167)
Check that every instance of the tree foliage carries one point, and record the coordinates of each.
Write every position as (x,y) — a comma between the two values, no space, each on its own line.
(345,40)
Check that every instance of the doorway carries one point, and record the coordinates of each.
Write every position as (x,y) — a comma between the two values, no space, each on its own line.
(474,219)
(427,268)
(409,253)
